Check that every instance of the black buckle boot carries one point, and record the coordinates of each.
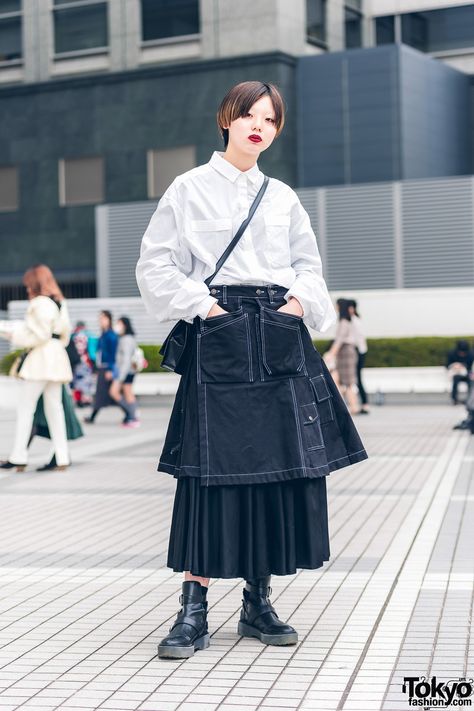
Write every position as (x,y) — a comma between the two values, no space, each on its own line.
(11,465)
(258,617)
(189,631)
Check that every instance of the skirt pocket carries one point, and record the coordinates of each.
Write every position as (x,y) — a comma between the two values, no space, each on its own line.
(282,345)
(312,433)
(224,353)
(323,398)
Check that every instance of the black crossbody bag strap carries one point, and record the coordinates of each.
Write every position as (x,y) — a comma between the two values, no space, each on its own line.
(240,231)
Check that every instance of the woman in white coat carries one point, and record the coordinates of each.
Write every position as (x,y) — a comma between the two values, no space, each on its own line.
(44,334)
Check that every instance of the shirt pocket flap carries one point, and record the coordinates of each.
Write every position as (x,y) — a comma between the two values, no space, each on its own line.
(320,388)
(277,220)
(223,223)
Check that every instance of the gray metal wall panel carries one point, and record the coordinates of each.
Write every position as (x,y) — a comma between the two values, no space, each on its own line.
(360,237)
(435,120)
(349,117)
(126,224)
(438,239)
(384,113)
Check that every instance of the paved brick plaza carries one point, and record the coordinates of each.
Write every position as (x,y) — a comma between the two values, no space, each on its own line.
(85,595)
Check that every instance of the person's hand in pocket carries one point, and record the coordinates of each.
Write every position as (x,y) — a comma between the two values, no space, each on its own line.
(293,307)
(216,310)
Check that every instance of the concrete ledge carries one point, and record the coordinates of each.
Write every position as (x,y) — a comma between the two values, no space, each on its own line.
(384,380)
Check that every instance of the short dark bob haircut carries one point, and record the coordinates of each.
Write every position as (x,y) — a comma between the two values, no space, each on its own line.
(239,100)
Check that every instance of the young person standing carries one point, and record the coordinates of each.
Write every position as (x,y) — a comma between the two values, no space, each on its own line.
(257,421)
(43,334)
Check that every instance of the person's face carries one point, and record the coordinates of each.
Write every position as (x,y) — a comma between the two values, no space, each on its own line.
(104,322)
(120,328)
(260,121)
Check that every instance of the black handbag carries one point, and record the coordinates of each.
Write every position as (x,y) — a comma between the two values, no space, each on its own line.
(175,345)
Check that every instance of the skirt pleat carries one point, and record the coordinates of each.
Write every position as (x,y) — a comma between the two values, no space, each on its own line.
(248,531)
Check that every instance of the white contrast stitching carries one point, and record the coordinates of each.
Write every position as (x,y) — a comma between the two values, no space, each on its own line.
(207,432)
(298,426)
(271,471)
(223,325)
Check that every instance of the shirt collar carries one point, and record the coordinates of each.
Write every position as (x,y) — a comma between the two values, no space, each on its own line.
(229,171)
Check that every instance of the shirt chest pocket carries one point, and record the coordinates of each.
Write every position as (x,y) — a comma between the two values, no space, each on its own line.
(212,235)
(277,240)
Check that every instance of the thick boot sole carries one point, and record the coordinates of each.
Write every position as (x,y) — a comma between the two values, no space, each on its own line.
(170,652)
(246,630)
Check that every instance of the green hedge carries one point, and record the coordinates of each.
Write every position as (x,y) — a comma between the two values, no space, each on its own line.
(383,352)
(7,361)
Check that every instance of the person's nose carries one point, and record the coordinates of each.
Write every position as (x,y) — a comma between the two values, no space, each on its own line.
(257,124)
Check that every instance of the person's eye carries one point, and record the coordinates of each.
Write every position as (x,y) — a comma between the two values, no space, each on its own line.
(272,120)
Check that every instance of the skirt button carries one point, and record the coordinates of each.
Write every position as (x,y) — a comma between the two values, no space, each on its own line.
(213,291)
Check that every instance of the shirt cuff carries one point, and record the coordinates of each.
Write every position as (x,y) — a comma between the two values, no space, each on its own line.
(206,305)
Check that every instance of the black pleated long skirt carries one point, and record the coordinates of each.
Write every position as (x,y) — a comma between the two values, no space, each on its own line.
(249,530)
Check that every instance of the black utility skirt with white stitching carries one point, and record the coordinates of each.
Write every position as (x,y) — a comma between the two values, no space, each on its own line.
(256,426)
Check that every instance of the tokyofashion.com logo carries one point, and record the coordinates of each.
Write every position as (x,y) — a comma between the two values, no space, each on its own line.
(431,693)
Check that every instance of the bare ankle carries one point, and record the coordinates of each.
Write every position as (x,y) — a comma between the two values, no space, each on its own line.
(190,576)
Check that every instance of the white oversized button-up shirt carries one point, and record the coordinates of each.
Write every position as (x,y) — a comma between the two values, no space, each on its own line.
(196,219)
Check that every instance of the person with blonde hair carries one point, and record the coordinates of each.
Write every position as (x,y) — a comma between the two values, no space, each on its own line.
(257,421)
(44,365)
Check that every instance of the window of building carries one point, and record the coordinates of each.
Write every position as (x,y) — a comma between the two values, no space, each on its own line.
(385,30)
(162,19)
(80,26)
(81,181)
(8,188)
(316,21)
(448,28)
(10,32)
(165,165)
(415,31)
(353,27)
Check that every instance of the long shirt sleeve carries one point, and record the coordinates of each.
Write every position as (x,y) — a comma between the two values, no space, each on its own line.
(167,292)
(309,286)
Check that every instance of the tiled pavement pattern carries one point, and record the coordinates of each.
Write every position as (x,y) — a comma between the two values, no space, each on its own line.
(85,596)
